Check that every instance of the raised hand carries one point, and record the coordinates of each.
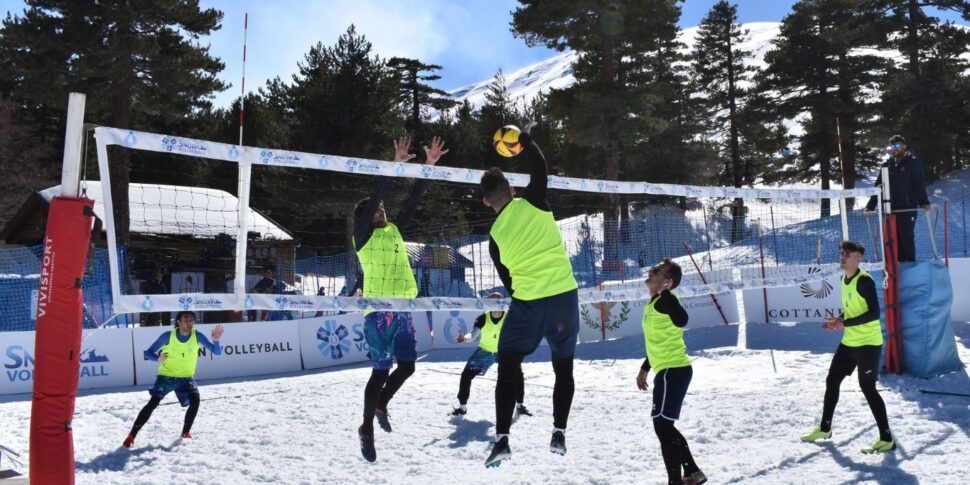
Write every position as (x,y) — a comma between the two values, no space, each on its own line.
(401,149)
(528,126)
(435,152)
(217,333)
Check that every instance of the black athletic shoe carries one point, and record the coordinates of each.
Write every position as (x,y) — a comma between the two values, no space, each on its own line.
(382,421)
(521,409)
(367,445)
(458,412)
(558,443)
(500,452)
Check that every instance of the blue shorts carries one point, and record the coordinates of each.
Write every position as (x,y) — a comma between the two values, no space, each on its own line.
(669,388)
(554,317)
(184,388)
(480,361)
(390,335)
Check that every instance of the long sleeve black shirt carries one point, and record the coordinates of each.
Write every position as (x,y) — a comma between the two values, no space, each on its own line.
(907,184)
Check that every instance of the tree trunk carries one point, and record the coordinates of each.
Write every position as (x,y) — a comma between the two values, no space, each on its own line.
(737,208)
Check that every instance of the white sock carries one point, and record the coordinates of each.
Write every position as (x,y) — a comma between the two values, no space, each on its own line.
(563,430)
(463,407)
(498,437)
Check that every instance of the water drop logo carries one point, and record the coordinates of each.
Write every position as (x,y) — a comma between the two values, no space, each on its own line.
(412,305)
(233,152)
(582,184)
(131,139)
(455,326)
(335,303)
(333,340)
(148,304)
(169,142)
(249,303)
(479,304)
(265,156)
(469,175)
(399,169)
(323,161)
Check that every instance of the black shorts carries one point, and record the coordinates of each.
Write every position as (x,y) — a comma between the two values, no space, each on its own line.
(847,359)
(554,317)
(669,388)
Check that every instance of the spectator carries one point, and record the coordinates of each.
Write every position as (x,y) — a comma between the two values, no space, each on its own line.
(156,286)
(907,191)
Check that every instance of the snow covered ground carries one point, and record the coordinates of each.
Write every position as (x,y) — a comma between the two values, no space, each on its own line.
(744,412)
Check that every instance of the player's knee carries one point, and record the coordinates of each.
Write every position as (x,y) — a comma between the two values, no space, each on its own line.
(563,366)
(663,427)
(406,368)
(834,379)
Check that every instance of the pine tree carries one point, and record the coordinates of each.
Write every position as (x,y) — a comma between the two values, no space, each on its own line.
(719,69)
(810,70)
(141,68)
(619,98)
(925,101)
(416,96)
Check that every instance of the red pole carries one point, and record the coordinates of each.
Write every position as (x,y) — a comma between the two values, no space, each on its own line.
(703,279)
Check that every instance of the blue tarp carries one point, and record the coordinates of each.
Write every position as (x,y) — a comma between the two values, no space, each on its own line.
(929,347)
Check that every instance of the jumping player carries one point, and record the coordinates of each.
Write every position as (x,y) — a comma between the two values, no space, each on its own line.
(530,258)
(387,274)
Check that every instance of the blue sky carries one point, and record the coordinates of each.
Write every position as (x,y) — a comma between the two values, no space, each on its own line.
(469,38)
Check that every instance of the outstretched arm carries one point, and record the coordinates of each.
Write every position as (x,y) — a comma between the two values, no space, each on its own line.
(432,155)
(535,192)
(152,352)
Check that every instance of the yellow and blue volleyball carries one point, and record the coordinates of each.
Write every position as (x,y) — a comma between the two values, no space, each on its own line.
(506,141)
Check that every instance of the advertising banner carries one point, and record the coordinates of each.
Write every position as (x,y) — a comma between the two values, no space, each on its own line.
(105,360)
(339,339)
(248,349)
(623,319)
(805,302)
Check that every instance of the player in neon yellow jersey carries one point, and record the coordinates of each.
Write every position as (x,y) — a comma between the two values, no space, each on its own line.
(664,320)
(387,274)
(530,258)
(486,329)
(177,352)
(859,350)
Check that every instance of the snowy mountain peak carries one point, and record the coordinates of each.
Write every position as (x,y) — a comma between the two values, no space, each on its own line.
(557,72)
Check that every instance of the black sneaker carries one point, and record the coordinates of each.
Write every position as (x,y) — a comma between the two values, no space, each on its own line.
(500,452)
(558,443)
(521,409)
(458,412)
(382,421)
(367,445)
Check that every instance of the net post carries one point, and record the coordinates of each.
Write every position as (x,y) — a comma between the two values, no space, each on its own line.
(73,136)
(242,237)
